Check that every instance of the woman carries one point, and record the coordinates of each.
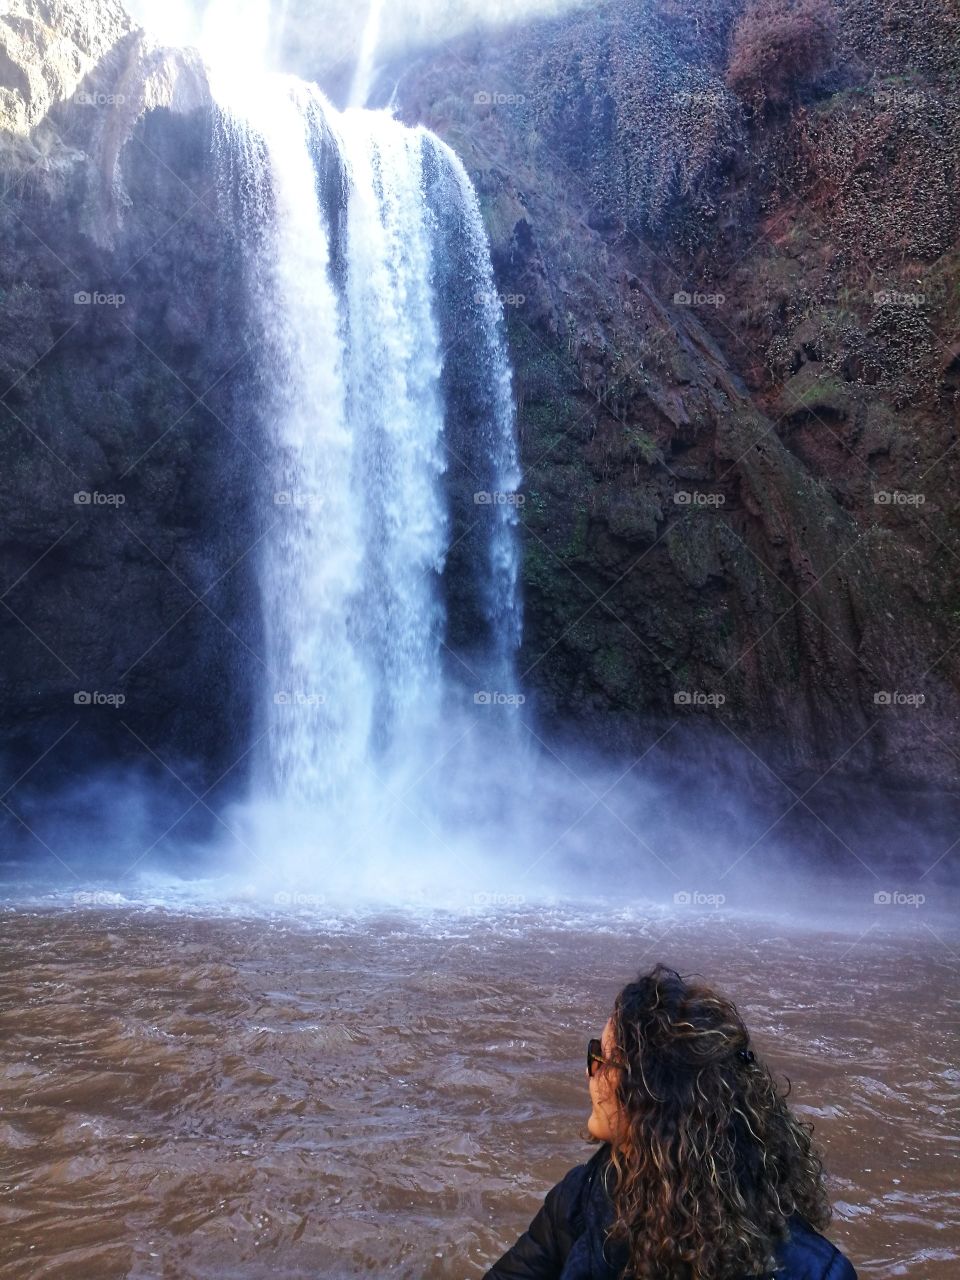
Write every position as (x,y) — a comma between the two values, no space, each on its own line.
(704,1173)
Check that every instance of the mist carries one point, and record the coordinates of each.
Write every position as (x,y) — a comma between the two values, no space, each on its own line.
(684,828)
(315,38)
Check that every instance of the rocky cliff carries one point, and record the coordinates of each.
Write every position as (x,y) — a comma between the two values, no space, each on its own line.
(725,237)
(127,450)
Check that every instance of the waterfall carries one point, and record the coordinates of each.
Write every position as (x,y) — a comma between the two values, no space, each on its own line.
(379,333)
(495,444)
(396,415)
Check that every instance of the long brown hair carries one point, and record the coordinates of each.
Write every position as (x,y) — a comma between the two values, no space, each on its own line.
(710,1163)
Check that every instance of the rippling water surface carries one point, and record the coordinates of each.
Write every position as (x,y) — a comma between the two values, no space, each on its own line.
(188,1095)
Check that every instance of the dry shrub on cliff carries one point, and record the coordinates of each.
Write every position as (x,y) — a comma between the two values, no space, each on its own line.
(777,46)
(879,167)
(631,100)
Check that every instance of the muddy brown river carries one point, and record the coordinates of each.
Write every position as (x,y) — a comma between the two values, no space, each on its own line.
(190,1096)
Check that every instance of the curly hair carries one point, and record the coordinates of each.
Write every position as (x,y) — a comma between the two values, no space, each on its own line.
(709,1162)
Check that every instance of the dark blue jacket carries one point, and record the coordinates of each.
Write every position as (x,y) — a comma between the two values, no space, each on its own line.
(565,1241)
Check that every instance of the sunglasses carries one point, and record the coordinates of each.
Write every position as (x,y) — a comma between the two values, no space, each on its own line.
(595,1057)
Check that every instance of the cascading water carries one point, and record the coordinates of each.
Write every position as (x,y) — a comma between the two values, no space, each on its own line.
(396,419)
(495,441)
(378,325)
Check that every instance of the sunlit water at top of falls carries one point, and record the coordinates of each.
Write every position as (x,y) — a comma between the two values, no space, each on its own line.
(357,33)
(363,75)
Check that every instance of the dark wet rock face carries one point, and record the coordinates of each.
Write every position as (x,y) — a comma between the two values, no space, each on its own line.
(730,320)
(128,450)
